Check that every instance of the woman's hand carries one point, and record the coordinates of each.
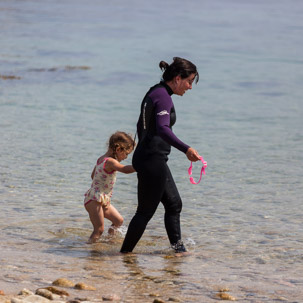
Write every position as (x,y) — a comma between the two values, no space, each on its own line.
(192,155)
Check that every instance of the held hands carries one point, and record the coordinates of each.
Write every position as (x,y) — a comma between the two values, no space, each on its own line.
(192,155)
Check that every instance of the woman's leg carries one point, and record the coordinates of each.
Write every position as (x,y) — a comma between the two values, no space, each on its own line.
(151,184)
(96,216)
(173,205)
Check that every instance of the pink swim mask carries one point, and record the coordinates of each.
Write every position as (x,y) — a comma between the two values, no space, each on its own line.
(204,165)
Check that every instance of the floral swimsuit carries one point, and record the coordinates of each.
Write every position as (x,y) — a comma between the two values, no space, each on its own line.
(102,186)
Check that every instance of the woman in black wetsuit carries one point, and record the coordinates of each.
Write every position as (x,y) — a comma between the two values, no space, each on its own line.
(154,127)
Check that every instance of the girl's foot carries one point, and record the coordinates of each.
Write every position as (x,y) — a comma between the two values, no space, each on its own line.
(112,230)
(93,238)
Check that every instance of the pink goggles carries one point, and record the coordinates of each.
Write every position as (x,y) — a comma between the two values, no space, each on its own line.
(204,165)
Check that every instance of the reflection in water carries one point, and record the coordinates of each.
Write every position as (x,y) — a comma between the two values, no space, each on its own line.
(166,281)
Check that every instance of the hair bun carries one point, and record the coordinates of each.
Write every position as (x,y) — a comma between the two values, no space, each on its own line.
(163,65)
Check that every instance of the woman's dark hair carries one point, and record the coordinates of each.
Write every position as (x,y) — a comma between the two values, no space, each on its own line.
(179,67)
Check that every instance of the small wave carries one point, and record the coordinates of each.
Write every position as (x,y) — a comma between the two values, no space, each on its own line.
(121,230)
(189,242)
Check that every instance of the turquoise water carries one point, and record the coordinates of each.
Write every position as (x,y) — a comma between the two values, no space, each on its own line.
(79,72)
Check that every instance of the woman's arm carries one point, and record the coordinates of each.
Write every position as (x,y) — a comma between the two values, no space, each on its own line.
(163,105)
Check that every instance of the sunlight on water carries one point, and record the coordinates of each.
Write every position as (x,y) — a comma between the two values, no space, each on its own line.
(71,75)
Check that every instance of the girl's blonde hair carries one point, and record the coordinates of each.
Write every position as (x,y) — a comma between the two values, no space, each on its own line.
(123,140)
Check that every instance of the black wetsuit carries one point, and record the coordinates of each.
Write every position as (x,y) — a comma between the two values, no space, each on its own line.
(155,182)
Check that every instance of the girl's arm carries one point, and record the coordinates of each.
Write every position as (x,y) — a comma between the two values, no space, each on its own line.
(112,164)
(93,173)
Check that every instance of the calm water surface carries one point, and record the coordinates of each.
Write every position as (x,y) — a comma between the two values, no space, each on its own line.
(73,72)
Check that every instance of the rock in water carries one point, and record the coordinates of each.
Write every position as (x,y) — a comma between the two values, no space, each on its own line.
(225,296)
(44,293)
(63,283)
(26,292)
(83,286)
(111,298)
(30,299)
(172,299)
(47,294)
(57,291)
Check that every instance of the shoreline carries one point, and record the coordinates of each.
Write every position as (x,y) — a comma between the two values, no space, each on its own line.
(56,295)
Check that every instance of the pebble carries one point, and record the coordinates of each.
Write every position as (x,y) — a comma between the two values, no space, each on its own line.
(83,286)
(113,297)
(224,289)
(158,301)
(225,296)
(154,295)
(25,292)
(47,294)
(63,283)
(57,291)
(174,299)
(1,292)
(30,299)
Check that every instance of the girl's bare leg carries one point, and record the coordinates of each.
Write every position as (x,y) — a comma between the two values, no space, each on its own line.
(96,215)
(114,216)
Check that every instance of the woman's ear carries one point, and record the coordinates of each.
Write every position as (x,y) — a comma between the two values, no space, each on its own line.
(177,79)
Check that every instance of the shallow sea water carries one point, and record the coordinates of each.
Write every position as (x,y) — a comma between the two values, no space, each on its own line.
(78,73)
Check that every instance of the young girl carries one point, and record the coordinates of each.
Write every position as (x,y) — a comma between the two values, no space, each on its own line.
(97,198)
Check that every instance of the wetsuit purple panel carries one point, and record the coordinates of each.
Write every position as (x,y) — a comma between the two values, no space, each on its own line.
(163,105)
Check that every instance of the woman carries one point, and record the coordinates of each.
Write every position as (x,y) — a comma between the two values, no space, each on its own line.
(154,127)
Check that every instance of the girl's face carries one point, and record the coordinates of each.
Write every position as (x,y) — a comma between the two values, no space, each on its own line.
(182,85)
(121,154)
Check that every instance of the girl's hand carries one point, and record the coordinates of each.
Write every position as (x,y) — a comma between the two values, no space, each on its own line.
(192,155)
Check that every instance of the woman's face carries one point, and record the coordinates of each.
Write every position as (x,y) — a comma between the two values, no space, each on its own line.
(182,85)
